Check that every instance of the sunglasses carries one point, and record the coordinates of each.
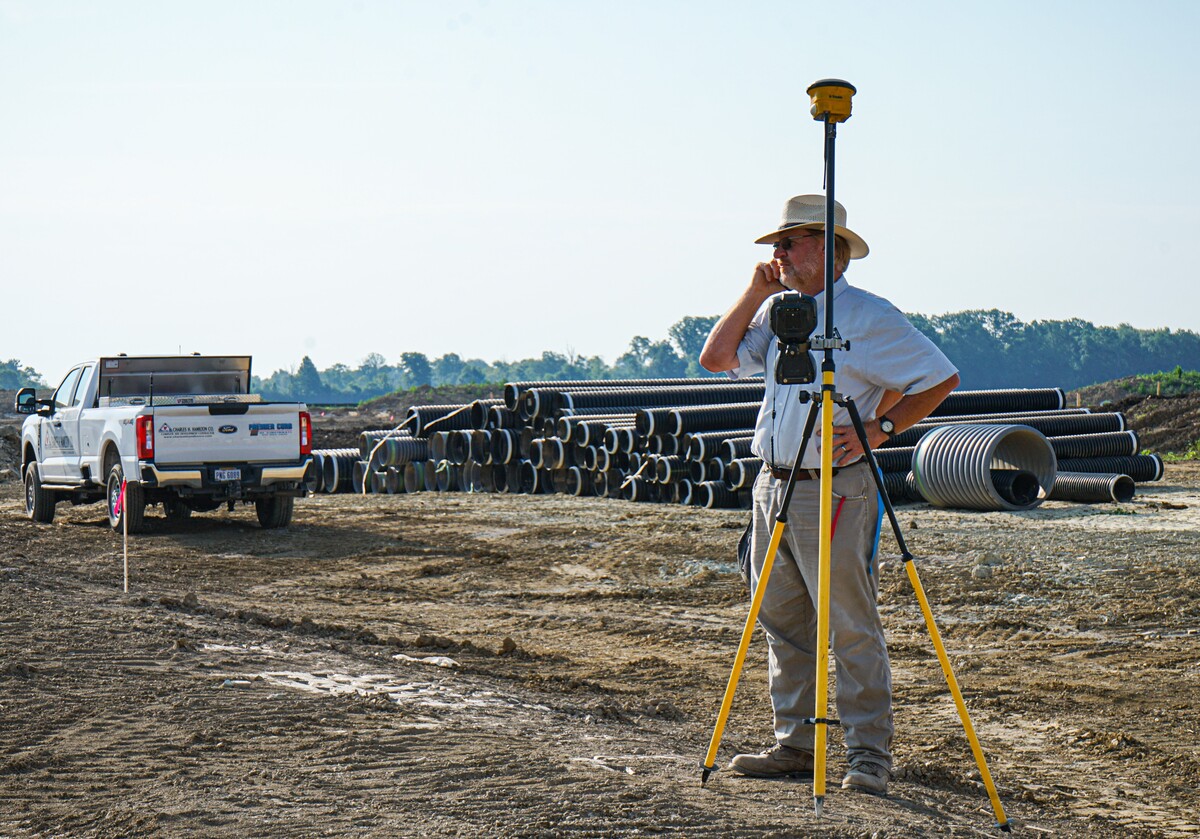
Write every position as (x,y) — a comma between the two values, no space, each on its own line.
(786,243)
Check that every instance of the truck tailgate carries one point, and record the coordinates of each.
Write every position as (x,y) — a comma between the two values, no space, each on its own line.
(226,433)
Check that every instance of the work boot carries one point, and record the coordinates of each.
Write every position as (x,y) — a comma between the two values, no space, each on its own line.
(779,761)
(867,777)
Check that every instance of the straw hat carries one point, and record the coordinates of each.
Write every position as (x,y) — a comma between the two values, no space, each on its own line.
(807,212)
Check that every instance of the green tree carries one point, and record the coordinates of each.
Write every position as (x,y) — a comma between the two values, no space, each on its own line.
(416,369)
(688,335)
(14,376)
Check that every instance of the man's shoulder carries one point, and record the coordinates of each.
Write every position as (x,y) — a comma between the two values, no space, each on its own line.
(870,306)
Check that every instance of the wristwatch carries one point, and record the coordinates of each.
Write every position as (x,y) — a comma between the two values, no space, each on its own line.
(887,427)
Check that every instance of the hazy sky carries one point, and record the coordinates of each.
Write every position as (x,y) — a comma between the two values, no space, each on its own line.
(501,177)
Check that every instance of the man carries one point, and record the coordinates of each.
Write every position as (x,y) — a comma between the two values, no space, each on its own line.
(896,376)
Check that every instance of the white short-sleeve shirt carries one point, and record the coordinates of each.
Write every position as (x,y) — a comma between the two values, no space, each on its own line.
(886,353)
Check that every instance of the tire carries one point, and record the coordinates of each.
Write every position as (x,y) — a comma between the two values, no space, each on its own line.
(176,510)
(39,503)
(274,512)
(135,502)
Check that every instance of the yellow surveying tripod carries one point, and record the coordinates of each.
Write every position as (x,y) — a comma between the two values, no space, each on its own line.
(831,104)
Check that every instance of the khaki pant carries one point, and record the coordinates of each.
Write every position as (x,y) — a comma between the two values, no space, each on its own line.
(789,615)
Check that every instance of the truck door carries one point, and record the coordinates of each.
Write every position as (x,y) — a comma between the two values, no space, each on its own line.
(60,432)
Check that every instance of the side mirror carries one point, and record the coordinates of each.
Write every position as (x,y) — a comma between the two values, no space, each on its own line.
(26,401)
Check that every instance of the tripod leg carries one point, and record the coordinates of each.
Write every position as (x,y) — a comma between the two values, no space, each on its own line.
(755,605)
(821,675)
(935,636)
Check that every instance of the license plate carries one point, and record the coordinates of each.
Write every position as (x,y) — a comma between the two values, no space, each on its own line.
(227,474)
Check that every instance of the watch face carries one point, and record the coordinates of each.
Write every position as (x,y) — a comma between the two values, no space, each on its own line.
(887,426)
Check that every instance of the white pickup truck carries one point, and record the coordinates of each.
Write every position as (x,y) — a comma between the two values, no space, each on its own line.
(181,431)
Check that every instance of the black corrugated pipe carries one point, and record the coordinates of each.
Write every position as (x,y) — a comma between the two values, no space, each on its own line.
(715,495)
(514,391)
(900,488)
(652,420)
(501,417)
(538,401)
(378,481)
(505,445)
(1002,401)
(481,446)
(579,483)
(710,417)
(1140,467)
(1018,487)
(895,460)
(395,480)
(431,477)
(358,476)
(1092,488)
(664,444)
(368,439)
(512,476)
(312,473)
(670,468)
(439,442)
(480,412)
(449,476)
(414,476)
(1051,427)
(698,471)
(1016,418)
(396,451)
(421,419)
(742,472)
(736,447)
(639,489)
(1110,444)
(338,469)
(716,469)
(530,475)
(586,431)
(525,440)
(458,447)
(685,493)
(701,445)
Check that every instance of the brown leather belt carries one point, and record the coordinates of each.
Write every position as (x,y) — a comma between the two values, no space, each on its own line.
(801,474)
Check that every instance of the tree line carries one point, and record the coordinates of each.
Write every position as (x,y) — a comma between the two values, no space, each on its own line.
(991,348)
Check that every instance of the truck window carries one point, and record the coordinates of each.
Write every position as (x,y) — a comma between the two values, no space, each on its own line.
(66,390)
(81,387)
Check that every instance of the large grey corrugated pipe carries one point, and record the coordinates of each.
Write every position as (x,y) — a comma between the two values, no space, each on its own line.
(953,464)
(1101,444)
(1092,488)
(514,391)
(1050,426)
(1140,467)
(1002,401)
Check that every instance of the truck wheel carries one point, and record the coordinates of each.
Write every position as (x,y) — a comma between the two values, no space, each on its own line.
(274,512)
(39,503)
(135,502)
(176,510)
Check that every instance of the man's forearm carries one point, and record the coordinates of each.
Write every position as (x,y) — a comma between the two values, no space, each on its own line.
(911,409)
(720,350)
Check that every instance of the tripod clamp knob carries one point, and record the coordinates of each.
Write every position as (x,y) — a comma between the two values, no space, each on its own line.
(829,343)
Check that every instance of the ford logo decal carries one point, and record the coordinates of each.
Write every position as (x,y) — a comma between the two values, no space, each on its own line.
(228,429)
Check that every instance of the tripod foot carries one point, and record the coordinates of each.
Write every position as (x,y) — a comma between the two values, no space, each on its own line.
(818,805)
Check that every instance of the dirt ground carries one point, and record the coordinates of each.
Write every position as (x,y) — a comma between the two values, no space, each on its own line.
(464,665)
